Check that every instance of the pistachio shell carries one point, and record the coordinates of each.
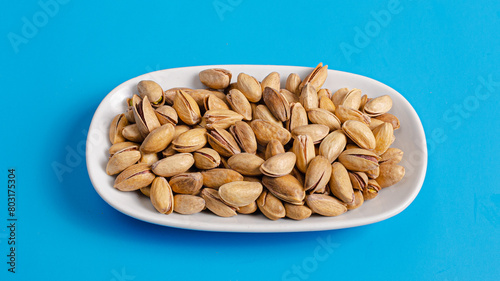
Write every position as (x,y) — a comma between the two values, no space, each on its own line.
(277,103)
(246,164)
(272,81)
(122,145)
(389,118)
(390,174)
(286,188)
(359,133)
(383,138)
(309,97)
(187,108)
(318,174)
(116,128)
(371,190)
(378,106)
(293,82)
(326,103)
(221,118)
(324,93)
(240,193)
(216,78)
(298,116)
(191,140)
(244,136)
(173,165)
(345,113)
(316,78)
(144,116)
(289,96)
(340,183)
(297,212)
(239,103)
(250,87)
(152,90)
(374,123)
(158,139)
(166,114)
(188,204)
(216,177)
(279,165)
(187,183)
(360,160)
(215,204)
(212,102)
(274,147)
(261,111)
(324,117)
(352,99)
(358,200)
(325,205)
(122,160)
(149,158)
(223,142)
(266,131)
(248,209)
(332,145)
(132,133)
(161,196)
(339,95)
(391,156)
(270,206)
(169,95)
(206,158)
(146,190)
(303,147)
(359,180)
(134,178)
(317,132)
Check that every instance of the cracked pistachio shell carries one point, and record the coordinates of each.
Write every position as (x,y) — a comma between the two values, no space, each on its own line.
(166,114)
(272,81)
(309,97)
(158,139)
(270,206)
(324,93)
(359,180)
(206,158)
(289,96)
(374,173)
(266,131)
(274,147)
(297,212)
(378,106)
(279,165)
(134,178)
(292,82)
(122,159)
(358,200)
(359,160)
(149,158)
(223,142)
(246,164)
(325,205)
(316,78)
(371,190)
(191,140)
(383,138)
(144,116)
(169,95)
(303,147)
(187,108)
(324,117)
(250,87)
(364,100)
(116,128)
(161,196)
(359,133)
(221,118)
(239,103)
(374,123)
(199,95)
(152,90)
(339,95)
(132,133)
(244,136)
(317,132)
(389,118)
(391,156)
(211,102)
(214,203)
(277,103)
(340,183)
(187,183)
(129,114)
(318,174)
(390,174)
(173,165)
(214,178)
(286,188)
(262,112)
(345,113)
(240,193)
(352,99)
(332,145)
(248,209)
(188,204)
(215,78)
(326,103)
(298,116)
(122,145)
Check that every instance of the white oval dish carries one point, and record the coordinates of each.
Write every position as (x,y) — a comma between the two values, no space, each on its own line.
(390,201)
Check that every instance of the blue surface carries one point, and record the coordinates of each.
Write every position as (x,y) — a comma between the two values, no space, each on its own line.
(54,76)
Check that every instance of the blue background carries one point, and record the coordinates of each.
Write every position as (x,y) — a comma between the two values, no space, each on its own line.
(54,75)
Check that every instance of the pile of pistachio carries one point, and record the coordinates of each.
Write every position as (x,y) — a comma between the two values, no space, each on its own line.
(249,145)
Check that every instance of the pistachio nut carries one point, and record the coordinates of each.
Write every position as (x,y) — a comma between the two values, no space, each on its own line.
(317,132)
(298,175)
(359,180)
(212,102)
(389,118)
(378,106)
(292,83)
(324,117)
(391,156)
(173,165)
(214,178)
(132,133)
(188,204)
(371,190)
(223,142)
(325,205)
(274,147)
(161,196)
(318,174)
(272,81)
(286,188)
(383,138)
(345,113)
(352,99)
(374,123)
(358,200)
(340,183)
(122,145)
(332,145)
(250,87)
(122,159)
(191,140)
(144,116)
(359,160)
(390,174)
(149,158)
(364,100)
(266,131)
(169,151)
(240,193)
(359,133)
(244,136)
(270,206)
(279,165)
(316,78)
(116,128)
(206,158)
(303,147)
(248,209)
(199,95)
(297,212)
(214,203)
(158,139)
(129,115)
(289,96)
(166,114)
(146,190)
(309,97)
(262,112)
(339,95)
(152,90)
(221,118)
(239,103)
(374,173)
(187,108)
(326,103)
(169,95)
(187,183)
(134,177)
(215,78)
(277,103)
(298,116)
(246,164)
(324,93)
(179,129)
